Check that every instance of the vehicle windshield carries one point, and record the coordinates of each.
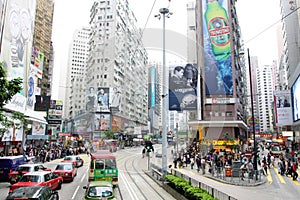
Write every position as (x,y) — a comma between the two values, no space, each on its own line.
(276,148)
(63,167)
(68,158)
(30,178)
(98,191)
(23,169)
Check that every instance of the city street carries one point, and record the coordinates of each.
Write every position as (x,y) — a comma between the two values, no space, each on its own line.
(134,184)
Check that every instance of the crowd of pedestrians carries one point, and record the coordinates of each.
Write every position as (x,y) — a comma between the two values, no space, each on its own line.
(216,161)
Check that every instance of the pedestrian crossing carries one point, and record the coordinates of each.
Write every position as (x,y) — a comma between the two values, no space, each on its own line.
(282,179)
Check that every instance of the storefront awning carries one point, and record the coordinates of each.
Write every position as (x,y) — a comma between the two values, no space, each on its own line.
(36,116)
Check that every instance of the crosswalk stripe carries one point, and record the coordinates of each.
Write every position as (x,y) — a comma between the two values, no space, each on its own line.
(269,177)
(281,179)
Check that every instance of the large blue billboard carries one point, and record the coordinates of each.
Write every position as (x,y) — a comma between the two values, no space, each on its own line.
(217,48)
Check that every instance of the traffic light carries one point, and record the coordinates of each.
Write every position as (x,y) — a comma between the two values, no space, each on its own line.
(149,146)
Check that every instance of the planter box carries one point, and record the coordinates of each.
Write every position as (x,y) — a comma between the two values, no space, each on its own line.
(173,192)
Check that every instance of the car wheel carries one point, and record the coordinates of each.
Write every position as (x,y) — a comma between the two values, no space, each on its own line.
(59,185)
(56,197)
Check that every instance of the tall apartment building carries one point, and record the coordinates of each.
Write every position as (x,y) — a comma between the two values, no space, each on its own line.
(223,80)
(42,40)
(291,50)
(75,92)
(154,98)
(118,59)
(265,88)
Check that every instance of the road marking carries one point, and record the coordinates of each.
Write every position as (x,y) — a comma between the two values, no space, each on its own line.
(82,177)
(269,177)
(296,182)
(75,192)
(129,188)
(281,179)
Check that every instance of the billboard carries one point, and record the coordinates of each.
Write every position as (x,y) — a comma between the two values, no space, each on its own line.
(91,99)
(183,82)
(282,108)
(102,99)
(152,86)
(55,112)
(42,103)
(115,99)
(17,37)
(217,48)
(296,99)
(102,122)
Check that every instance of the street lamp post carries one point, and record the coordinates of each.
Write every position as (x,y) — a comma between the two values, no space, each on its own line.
(252,113)
(165,13)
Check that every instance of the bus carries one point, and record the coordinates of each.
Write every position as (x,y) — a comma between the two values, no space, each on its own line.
(103,167)
(9,164)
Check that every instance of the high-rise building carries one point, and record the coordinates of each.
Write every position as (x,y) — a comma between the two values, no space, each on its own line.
(265,88)
(223,78)
(42,40)
(75,92)
(117,59)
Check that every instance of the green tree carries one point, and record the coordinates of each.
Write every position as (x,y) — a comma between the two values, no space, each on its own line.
(8,88)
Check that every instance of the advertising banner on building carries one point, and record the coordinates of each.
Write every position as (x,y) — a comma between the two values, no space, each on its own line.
(55,112)
(17,37)
(282,108)
(102,99)
(183,87)
(38,128)
(91,99)
(12,133)
(115,99)
(102,122)
(217,48)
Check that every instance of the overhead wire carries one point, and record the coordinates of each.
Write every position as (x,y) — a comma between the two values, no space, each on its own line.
(264,30)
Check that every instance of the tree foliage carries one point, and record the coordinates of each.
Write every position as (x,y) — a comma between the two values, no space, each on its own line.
(8,88)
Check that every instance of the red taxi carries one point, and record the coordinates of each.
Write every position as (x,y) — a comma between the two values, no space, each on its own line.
(41,178)
(76,160)
(25,168)
(66,170)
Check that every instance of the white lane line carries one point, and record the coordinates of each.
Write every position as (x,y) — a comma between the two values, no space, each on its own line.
(75,192)
(82,177)
(129,188)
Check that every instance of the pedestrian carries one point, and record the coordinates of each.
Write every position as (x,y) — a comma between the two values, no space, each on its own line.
(198,163)
(192,162)
(294,171)
(175,162)
(203,164)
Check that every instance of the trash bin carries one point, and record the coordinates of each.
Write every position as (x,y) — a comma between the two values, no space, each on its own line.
(228,171)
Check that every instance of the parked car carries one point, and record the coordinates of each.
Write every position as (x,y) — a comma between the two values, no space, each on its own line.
(41,178)
(76,160)
(66,170)
(33,192)
(14,176)
(99,190)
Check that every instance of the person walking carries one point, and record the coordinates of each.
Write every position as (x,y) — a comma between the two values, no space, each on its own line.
(198,163)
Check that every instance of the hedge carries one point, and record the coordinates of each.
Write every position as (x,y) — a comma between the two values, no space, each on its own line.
(184,187)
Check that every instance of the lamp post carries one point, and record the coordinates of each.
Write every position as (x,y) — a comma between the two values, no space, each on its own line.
(252,113)
(165,13)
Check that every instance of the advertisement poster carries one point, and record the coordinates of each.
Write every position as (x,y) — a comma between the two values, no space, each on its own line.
(183,87)
(282,108)
(17,37)
(102,99)
(102,122)
(91,99)
(38,128)
(217,48)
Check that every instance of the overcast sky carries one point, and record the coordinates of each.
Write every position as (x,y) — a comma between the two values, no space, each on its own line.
(254,17)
